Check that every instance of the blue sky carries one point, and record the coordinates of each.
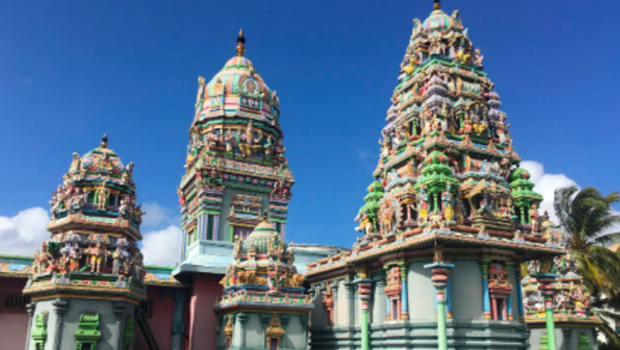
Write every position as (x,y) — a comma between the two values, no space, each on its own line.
(70,71)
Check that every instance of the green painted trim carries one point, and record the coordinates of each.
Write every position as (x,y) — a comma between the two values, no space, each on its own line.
(365,331)
(209,227)
(550,328)
(442,337)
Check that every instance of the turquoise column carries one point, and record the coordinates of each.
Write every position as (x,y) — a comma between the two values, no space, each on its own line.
(364,290)
(404,315)
(484,264)
(388,305)
(545,285)
(509,267)
(440,281)
(449,299)
(519,294)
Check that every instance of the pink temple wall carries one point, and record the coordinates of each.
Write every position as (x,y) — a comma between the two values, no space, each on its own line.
(160,321)
(202,321)
(13,324)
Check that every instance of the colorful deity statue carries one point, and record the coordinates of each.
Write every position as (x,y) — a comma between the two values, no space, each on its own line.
(103,193)
(97,257)
(447,199)
(534,219)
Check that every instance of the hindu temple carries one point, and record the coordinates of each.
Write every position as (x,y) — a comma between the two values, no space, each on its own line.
(452,251)
(448,219)
(87,279)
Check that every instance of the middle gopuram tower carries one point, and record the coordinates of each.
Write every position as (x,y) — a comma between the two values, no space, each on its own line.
(235,166)
(448,220)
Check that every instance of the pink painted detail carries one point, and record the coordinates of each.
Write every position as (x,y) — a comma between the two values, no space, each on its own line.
(13,324)
(202,319)
(160,321)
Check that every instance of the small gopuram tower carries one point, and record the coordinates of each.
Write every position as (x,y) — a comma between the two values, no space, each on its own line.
(235,165)
(574,321)
(264,305)
(88,277)
(448,220)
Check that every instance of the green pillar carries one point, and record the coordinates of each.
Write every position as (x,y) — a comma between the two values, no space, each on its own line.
(365,330)
(442,335)
(440,281)
(550,327)
(364,290)
(547,289)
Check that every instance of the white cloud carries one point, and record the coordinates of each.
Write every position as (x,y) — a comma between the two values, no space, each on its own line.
(546,184)
(24,232)
(156,215)
(162,247)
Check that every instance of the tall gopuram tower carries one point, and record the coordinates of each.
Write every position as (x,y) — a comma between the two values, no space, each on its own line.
(87,278)
(448,220)
(235,165)
(264,305)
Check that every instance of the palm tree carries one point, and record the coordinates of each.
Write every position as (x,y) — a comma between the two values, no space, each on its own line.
(589,220)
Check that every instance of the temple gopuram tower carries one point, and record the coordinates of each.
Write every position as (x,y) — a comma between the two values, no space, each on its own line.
(448,220)
(87,278)
(235,166)
(264,305)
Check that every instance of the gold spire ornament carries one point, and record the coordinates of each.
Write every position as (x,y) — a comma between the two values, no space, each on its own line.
(437,5)
(104,141)
(240,44)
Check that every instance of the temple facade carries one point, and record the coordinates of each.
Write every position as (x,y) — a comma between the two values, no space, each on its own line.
(87,280)
(447,222)
(263,303)
(452,253)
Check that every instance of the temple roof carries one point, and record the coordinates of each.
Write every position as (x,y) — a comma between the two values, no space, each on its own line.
(237,90)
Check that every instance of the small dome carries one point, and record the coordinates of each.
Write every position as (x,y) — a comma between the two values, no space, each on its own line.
(238,77)
(262,236)
(98,162)
(237,90)
(439,21)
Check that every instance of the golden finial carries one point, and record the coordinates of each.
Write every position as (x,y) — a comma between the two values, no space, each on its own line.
(104,141)
(240,44)
(437,4)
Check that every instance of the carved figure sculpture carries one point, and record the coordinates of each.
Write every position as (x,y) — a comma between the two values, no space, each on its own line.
(365,225)
(103,194)
(448,203)
(534,220)
(126,207)
(478,58)
(97,256)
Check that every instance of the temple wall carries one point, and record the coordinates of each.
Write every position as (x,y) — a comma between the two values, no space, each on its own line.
(70,321)
(295,334)
(566,338)
(41,307)
(202,319)
(514,301)
(472,335)
(467,291)
(318,314)
(224,228)
(13,323)
(379,300)
(254,333)
(342,306)
(160,319)
(421,293)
